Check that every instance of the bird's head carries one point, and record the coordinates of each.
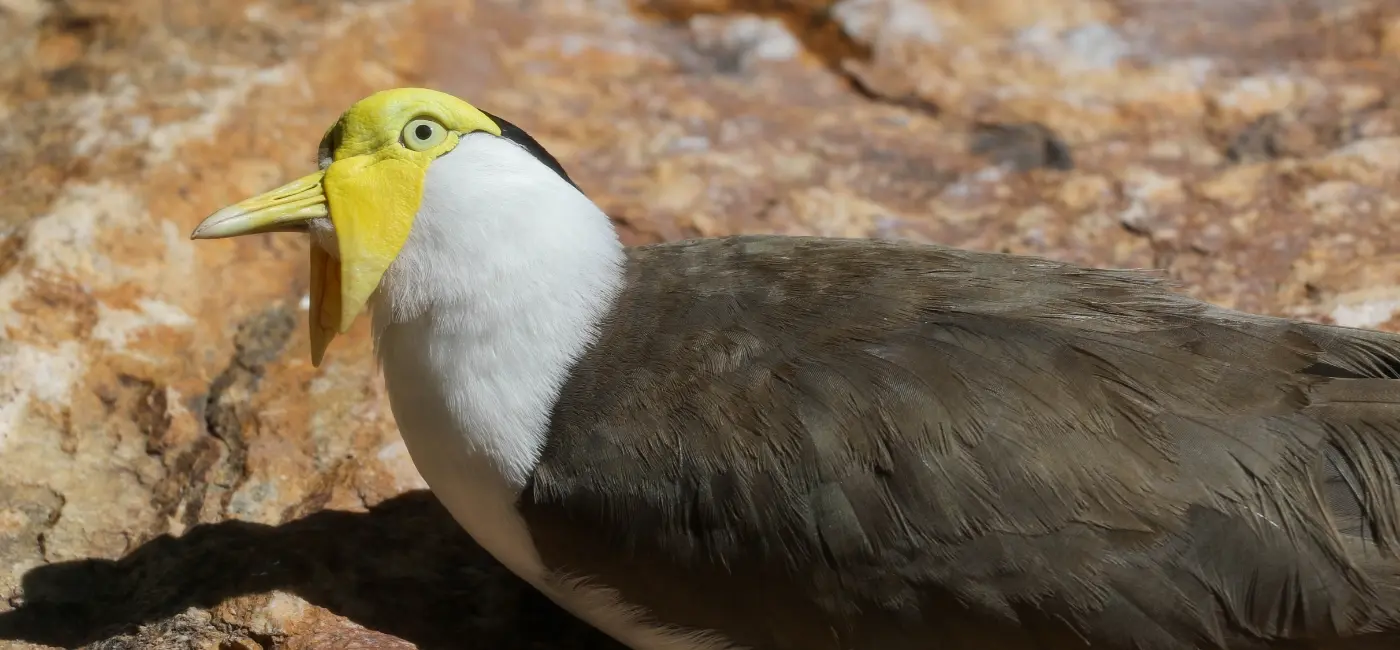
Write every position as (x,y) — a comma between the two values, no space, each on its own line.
(384,168)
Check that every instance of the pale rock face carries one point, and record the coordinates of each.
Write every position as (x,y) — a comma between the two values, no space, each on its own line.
(742,41)
(871,20)
(150,385)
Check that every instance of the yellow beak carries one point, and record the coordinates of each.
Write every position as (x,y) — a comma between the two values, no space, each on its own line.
(370,199)
(285,209)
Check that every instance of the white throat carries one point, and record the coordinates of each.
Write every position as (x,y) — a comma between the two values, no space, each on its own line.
(506,273)
(501,286)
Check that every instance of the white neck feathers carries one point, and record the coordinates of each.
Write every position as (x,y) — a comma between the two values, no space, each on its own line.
(502,283)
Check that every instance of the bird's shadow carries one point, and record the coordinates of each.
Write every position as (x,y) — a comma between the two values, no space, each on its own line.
(404,568)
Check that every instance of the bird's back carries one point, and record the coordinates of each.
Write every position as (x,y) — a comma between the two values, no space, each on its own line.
(856,445)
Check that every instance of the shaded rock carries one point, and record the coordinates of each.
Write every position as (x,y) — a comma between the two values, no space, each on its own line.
(733,44)
(176,473)
(1271,137)
(1022,146)
(400,572)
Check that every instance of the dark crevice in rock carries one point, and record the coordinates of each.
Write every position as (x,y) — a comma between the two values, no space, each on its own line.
(186,483)
(38,508)
(259,341)
(868,91)
(322,489)
(262,639)
(72,310)
(1255,142)
(90,25)
(57,512)
(1023,146)
(10,247)
(196,470)
(75,79)
(184,479)
(1300,133)
(151,413)
(1137,230)
(809,21)
(1165,253)
(239,636)
(1277,136)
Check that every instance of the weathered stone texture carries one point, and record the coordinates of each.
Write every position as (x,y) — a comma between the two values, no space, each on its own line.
(177,475)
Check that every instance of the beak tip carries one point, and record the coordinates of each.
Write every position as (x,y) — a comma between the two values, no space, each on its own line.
(215,225)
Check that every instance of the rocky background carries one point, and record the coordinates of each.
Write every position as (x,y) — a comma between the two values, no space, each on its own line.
(173,472)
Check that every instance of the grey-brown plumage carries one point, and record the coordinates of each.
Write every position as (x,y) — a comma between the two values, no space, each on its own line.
(851,445)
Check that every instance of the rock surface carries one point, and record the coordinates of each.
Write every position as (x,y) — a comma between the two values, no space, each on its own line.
(176,475)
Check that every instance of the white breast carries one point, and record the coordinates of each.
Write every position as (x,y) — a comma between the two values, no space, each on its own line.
(499,288)
(469,481)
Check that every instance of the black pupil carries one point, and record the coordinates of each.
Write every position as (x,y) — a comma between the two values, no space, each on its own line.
(423,131)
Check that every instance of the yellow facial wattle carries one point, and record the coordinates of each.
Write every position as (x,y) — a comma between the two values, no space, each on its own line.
(381,149)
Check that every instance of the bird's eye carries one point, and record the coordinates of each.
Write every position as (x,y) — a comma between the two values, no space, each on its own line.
(423,134)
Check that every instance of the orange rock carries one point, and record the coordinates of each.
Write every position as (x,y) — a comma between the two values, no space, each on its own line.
(170,452)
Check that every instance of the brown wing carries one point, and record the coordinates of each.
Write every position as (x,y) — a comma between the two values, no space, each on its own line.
(823,445)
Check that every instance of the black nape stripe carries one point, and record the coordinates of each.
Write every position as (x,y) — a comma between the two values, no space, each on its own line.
(325,151)
(519,136)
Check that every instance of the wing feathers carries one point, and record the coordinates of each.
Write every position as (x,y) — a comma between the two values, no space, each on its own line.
(979,446)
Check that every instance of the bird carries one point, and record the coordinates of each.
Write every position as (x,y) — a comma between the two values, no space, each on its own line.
(770,442)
